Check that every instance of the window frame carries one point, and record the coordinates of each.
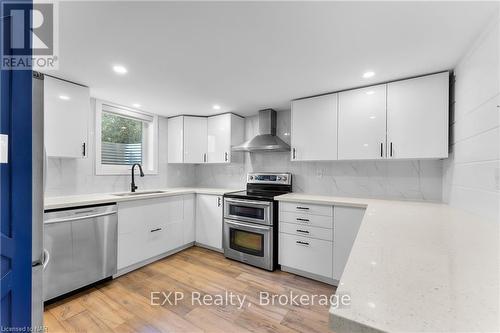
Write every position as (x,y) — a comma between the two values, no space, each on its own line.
(149,140)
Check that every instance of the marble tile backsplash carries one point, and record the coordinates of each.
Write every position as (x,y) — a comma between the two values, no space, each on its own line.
(415,180)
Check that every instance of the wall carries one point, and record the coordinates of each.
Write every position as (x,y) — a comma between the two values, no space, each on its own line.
(471,176)
(77,176)
(420,180)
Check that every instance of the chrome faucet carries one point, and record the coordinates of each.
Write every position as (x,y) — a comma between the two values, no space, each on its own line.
(132,185)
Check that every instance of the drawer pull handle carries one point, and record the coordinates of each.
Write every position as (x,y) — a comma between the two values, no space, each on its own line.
(155,230)
(302,243)
(303,231)
(301,219)
(303,208)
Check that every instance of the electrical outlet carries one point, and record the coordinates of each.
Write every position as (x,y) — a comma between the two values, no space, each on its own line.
(4,148)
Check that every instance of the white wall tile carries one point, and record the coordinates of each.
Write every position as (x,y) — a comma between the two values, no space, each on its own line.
(471,175)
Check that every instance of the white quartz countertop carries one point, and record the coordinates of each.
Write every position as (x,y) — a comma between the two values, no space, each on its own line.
(98,198)
(419,267)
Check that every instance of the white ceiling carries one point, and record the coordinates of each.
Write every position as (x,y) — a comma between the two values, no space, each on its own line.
(185,57)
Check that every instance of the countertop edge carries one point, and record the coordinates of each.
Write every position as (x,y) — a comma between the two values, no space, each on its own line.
(103,198)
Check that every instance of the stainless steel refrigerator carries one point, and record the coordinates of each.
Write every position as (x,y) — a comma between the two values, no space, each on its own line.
(39,257)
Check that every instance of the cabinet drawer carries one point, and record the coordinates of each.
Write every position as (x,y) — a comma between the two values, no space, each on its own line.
(297,207)
(310,255)
(306,231)
(307,219)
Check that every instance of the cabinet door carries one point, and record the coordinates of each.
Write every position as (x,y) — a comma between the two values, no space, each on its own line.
(219,138)
(175,140)
(189,222)
(314,128)
(195,139)
(347,221)
(362,127)
(417,117)
(209,220)
(66,113)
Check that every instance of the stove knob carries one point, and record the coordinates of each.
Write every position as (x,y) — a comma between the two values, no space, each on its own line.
(250,177)
(284,178)
(278,178)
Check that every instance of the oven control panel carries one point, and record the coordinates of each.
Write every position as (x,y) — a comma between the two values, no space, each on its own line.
(269,178)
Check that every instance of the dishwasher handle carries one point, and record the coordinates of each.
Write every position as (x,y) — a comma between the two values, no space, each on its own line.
(84,217)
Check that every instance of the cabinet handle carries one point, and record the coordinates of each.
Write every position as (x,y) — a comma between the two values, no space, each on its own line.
(84,149)
(381,149)
(218,202)
(301,219)
(204,157)
(303,208)
(293,153)
(225,156)
(302,243)
(155,230)
(391,149)
(303,231)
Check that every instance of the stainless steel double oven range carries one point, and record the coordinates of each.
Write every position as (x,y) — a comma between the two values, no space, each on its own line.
(251,220)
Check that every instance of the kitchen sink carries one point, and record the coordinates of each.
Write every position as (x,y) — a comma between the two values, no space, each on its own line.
(128,194)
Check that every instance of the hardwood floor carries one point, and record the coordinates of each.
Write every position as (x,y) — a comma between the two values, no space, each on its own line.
(124,304)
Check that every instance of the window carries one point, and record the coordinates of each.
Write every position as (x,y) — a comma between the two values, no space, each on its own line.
(124,137)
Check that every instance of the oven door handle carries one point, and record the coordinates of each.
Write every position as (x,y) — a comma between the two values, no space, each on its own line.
(248,202)
(254,226)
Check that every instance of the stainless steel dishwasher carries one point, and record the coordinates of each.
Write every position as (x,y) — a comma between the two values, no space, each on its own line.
(81,244)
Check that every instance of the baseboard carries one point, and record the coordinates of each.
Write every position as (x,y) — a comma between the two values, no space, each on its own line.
(310,275)
(135,266)
(208,247)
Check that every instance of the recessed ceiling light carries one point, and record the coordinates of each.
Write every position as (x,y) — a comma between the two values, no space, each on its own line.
(368,74)
(136,105)
(372,117)
(119,69)
(64,97)
(216,107)
(371,92)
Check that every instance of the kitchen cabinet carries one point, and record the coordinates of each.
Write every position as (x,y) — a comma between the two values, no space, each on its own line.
(187,139)
(175,139)
(150,227)
(417,117)
(209,221)
(362,124)
(315,240)
(314,128)
(66,115)
(189,218)
(195,139)
(406,119)
(201,140)
(224,131)
(346,226)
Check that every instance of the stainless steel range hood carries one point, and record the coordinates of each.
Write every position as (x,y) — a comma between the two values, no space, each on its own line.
(267,139)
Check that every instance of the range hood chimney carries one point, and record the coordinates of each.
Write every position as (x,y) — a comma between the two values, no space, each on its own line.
(267,139)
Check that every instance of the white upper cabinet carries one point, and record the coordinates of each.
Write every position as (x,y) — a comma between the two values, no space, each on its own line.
(175,133)
(66,114)
(195,139)
(314,128)
(224,131)
(417,117)
(204,140)
(362,124)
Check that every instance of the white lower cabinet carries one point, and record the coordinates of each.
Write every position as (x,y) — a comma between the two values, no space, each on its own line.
(209,220)
(313,245)
(307,254)
(189,220)
(151,227)
(347,221)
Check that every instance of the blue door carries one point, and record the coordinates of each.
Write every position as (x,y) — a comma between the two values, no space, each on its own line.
(15,197)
